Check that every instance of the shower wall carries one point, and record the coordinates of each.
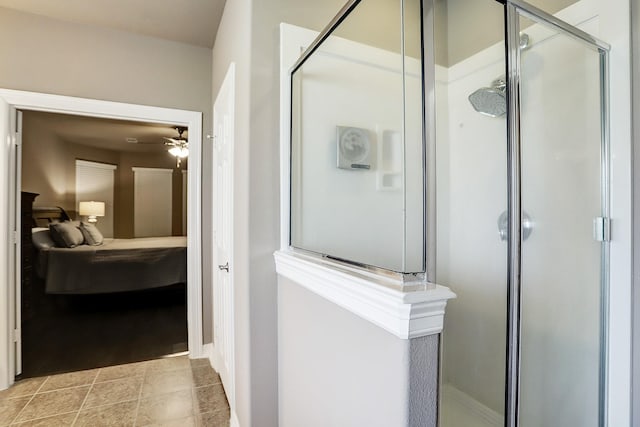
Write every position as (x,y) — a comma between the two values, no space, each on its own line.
(472,259)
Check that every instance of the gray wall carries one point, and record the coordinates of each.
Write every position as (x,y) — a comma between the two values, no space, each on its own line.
(249,36)
(336,369)
(44,55)
(262,185)
(233,45)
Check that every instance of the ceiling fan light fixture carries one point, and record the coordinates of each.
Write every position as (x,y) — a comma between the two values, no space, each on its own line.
(181,152)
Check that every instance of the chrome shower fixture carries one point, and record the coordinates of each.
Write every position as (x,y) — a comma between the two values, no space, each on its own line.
(524,41)
(491,101)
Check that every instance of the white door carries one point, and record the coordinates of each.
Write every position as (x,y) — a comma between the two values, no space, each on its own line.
(95,182)
(152,195)
(223,295)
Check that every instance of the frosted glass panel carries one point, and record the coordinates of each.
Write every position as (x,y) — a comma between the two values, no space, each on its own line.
(561,261)
(357,187)
(471,149)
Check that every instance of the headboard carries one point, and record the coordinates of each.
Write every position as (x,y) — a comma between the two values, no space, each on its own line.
(45,215)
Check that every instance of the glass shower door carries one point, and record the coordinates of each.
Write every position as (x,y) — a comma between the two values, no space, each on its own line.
(563,192)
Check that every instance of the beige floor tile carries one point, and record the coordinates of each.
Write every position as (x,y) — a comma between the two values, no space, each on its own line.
(63,420)
(204,375)
(168,364)
(160,382)
(213,419)
(10,408)
(107,393)
(197,363)
(121,371)
(23,388)
(182,422)
(176,392)
(54,403)
(165,407)
(71,379)
(210,399)
(120,414)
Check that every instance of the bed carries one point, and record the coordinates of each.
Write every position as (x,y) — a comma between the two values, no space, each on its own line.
(116,265)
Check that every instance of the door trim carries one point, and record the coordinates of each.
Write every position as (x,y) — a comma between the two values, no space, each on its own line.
(21,100)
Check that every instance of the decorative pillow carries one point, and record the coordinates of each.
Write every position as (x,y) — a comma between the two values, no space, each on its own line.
(92,236)
(41,238)
(66,234)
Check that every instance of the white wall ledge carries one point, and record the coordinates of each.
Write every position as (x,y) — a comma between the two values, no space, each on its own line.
(404,314)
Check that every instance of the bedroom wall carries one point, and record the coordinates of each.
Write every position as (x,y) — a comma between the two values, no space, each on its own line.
(49,170)
(49,166)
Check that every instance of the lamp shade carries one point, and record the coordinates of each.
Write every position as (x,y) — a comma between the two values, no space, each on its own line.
(91,209)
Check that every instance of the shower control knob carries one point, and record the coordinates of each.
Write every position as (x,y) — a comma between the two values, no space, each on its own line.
(503,226)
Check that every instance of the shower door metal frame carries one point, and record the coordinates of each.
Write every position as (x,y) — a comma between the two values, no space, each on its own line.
(514,9)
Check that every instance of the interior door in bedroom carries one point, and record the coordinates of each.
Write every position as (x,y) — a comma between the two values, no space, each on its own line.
(95,182)
(223,292)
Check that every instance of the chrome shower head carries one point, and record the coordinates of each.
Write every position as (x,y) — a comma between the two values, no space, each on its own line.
(490,101)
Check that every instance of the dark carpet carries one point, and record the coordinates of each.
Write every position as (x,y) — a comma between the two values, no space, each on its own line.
(75,332)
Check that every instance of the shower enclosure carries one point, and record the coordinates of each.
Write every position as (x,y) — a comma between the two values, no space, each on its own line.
(523,229)
(466,144)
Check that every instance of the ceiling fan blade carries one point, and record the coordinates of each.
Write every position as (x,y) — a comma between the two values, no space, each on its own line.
(149,142)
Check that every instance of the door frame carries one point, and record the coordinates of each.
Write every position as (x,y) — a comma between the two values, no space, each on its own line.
(21,100)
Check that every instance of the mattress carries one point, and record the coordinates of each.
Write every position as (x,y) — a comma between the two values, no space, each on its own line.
(117,265)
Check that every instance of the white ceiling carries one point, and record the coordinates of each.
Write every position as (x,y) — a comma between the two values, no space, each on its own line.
(107,134)
(193,22)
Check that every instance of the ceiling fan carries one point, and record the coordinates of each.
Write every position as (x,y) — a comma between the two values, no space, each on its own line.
(179,146)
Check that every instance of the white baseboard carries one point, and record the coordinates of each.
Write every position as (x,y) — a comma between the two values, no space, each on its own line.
(460,401)
(234,422)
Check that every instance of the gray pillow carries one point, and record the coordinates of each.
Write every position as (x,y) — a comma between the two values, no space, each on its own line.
(66,234)
(92,236)
(41,238)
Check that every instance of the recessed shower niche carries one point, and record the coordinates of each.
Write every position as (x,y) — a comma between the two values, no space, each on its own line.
(357,142)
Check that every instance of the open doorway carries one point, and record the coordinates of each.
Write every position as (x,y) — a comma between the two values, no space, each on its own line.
(10,103)
(120,297)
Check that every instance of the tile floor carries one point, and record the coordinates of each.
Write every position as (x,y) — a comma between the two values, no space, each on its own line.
(172,391)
